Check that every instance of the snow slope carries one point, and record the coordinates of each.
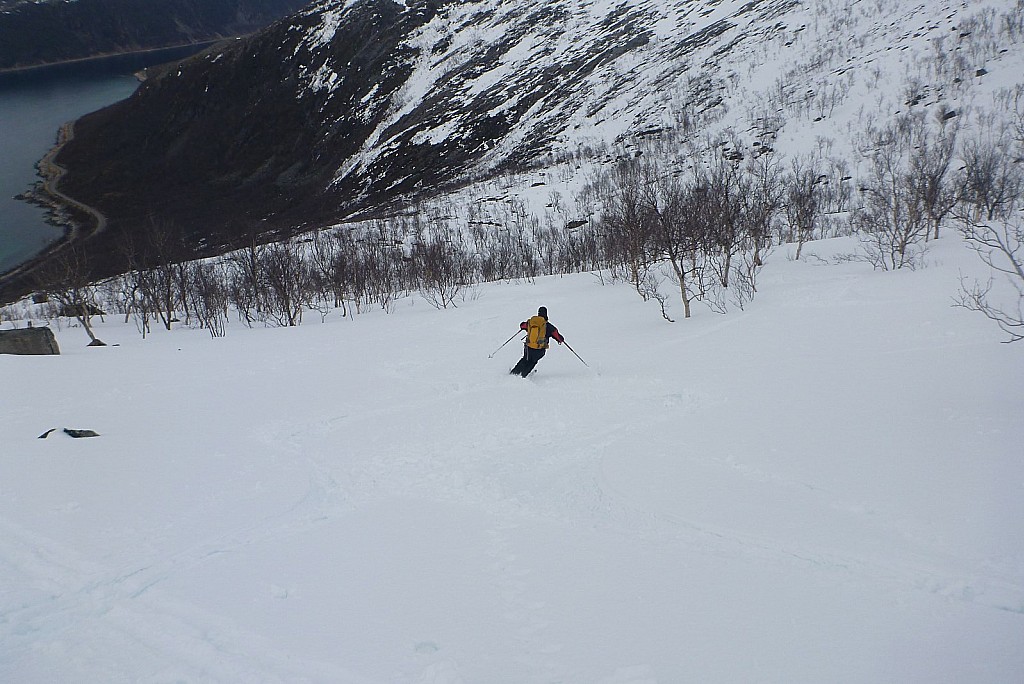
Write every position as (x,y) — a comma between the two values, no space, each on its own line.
(825,487)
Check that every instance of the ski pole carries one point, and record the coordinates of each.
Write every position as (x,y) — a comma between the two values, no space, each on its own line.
(491,355)
(576,355)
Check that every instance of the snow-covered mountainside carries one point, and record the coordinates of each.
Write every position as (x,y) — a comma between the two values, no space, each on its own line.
(823,488)
(338,481)
(351,105)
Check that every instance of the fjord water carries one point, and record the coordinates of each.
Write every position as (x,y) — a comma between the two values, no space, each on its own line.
(34,103)
(32,109)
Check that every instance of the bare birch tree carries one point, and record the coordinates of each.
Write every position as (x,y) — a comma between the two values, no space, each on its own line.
(67,280)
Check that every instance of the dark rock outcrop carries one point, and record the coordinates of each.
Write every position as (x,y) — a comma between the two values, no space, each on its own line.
(70,432)
(28,341)
(233,142)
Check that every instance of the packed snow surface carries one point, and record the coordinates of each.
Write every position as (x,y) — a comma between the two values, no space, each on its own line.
(827,486)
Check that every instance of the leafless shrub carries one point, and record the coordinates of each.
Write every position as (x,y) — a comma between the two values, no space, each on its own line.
(626,222)
(724,189)
(892,218)
(928,169)
(209,295)
(762,199)
(1000,244)
(245,281)
(289,283)
(67,280)
(679,218)
(446,270)
(160,286)
(992,180)
(803,201)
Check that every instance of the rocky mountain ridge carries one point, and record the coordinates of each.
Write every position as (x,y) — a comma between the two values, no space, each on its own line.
(40,33)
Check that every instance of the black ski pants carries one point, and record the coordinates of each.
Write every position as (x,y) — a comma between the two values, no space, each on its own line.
(528,362)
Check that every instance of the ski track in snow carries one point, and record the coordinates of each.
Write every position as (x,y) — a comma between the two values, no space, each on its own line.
(594,502)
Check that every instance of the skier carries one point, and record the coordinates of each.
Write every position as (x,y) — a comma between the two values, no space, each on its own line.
(538,332)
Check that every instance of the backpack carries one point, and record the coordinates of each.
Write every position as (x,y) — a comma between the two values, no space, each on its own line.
(537,333)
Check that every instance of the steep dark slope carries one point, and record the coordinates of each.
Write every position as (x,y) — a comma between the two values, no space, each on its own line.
(352,104)
(221,146)
(48,32)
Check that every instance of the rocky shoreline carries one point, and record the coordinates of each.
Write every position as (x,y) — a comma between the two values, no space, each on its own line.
(61,211)
(63,206)
(42,194)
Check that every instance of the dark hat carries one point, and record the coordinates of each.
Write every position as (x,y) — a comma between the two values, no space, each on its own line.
(542,311)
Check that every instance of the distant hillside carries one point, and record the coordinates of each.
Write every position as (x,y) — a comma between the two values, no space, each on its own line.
(371,109)
(33,34)
(350,106)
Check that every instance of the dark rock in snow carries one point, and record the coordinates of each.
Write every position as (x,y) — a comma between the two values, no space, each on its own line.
(80,433)
(77,434)
(28,341)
